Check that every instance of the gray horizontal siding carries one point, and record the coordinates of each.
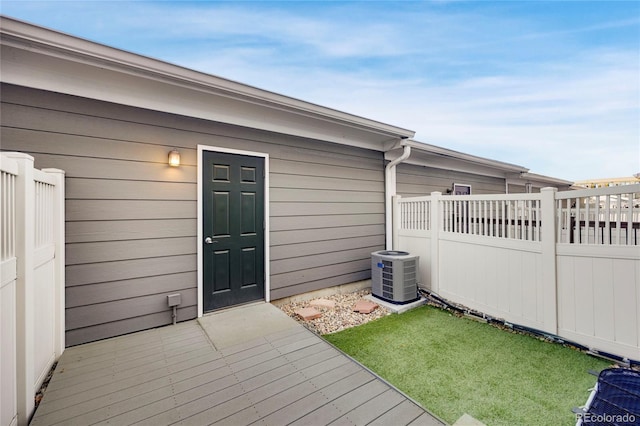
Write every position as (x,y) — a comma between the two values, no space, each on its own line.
(105,168)
(92,294)
(131,220)
(319,195)
(48,141)
(324,234)
(85,189)
(280,180)
(91,273)
(115,310)
(307,168)
(129,325)
(122,230)
(416,181)
(78,210)
(320,273)
(333,256)
(517,189)
(279,209)
(292,251)
(109,251)
(328,281)
(325,222)
(288,223)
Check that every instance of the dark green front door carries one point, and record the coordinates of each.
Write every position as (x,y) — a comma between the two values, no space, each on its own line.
(233,229)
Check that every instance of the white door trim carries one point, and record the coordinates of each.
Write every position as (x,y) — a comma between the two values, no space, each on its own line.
(201,149)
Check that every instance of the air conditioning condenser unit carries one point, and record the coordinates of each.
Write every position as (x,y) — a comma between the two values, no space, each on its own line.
(394,276)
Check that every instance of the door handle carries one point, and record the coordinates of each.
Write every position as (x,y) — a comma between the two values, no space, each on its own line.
(208,240)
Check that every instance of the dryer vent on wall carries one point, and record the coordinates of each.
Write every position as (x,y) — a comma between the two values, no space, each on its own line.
(394,276)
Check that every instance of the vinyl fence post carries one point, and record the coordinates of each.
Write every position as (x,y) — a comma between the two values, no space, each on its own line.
(549,259)
(434,222)
(25,286)
(59,262)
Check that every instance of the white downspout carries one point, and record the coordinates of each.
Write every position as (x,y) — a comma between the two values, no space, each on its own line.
(390,192)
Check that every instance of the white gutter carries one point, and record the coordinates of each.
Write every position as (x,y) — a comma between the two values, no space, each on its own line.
(390,192)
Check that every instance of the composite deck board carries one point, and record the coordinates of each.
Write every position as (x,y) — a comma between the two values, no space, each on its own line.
(285,384)
(375,407)
(98,363)
(218,413)
(293,346)
(126,361)
(107,395)
(138,407)
(285,376)
(195,366)
(314,399)
(426,419)
(80,358)
(344,399)
(78,385)
(255,360)
(317,350)
(175,375)
(126,399)
(403,413)
(239,363)
(274,340)
(225,389)
(317,402)
(101,378)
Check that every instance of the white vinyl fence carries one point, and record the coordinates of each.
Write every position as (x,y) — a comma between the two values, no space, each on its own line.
(566,263)
(32,281)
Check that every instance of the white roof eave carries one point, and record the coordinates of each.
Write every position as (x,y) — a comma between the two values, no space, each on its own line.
(44,59)
(539,180)
(428,155)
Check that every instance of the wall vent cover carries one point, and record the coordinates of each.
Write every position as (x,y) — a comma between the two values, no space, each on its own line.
(394,276)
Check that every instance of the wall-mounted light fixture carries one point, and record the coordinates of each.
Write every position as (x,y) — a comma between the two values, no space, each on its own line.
(174,158)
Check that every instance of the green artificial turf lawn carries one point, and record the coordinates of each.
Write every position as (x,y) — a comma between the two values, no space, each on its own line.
(455,365)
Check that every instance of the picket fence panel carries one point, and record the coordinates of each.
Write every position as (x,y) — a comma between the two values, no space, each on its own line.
(8,276)
(566,263)
(32,281)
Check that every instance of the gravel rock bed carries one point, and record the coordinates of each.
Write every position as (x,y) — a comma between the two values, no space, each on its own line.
(338,318)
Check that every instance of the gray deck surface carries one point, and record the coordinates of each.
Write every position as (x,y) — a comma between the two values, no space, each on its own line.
(195,374)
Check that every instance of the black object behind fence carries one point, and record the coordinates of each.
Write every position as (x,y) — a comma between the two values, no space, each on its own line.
(602,227)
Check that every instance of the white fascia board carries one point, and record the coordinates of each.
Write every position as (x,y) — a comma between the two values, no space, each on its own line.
(537,180)
(442,158)
(36,57)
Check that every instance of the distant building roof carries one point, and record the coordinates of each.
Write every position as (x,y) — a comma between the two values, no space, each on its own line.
(604,182)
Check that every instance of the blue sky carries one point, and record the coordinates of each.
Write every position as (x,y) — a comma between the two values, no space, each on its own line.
(552,86)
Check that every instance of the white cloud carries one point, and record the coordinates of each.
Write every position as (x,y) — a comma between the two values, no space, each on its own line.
(572,121)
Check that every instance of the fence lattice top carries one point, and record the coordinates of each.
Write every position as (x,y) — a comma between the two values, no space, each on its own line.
(609,216)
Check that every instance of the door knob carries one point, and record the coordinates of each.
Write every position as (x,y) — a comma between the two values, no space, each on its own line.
(208,240)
